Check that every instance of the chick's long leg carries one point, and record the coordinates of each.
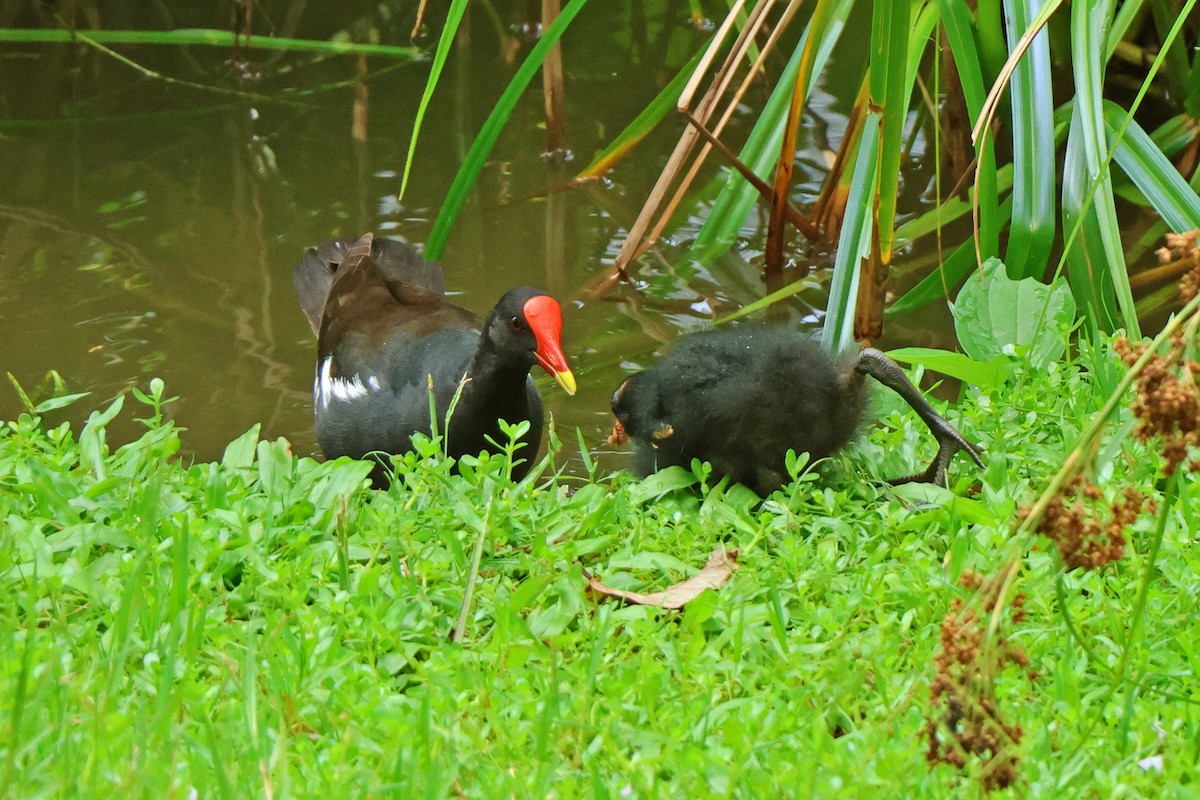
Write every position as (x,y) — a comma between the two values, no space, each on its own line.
(874,363)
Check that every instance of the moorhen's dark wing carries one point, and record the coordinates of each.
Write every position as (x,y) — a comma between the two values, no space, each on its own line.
(408,276)
(740,399)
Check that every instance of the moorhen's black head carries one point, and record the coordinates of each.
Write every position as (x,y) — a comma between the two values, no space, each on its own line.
(637,405)
(525,328)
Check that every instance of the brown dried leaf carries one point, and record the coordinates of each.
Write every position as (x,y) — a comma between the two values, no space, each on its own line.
(721,564)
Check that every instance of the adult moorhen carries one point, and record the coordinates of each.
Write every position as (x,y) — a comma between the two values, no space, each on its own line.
(740,398)
(385,335)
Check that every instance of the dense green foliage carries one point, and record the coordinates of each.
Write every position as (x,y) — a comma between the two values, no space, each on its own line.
(1029,120)
(265,626)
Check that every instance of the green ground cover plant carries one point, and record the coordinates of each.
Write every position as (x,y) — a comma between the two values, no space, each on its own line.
(267,626)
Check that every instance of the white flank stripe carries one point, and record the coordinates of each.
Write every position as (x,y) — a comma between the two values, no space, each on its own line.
(327,388)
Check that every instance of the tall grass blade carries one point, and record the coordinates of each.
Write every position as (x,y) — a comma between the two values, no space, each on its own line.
(484,141)
(854,244)
(957,24)
(941,283)
(642,124)
(890,90)
(449,31)
(990,30)
(733,204)
(1165,189)
(1090,280)
(1033,220)
(1099,275)
(950,209)
(208,38)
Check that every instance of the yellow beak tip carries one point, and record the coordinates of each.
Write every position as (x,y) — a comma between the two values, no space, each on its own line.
(566,380)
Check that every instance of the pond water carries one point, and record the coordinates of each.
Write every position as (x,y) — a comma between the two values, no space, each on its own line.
(149,227)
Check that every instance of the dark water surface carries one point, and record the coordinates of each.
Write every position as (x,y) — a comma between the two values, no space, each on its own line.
(148,228)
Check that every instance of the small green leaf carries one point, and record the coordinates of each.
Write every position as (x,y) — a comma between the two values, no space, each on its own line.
(964,508)
(240,452)
(55,403)
(527,592)
(584,455)
(662,483)
(25,401)
(98,420)
(465,506)
(651,562)
(700,610)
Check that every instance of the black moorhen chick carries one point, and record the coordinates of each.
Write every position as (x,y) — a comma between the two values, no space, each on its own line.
(385,333)
(740,398)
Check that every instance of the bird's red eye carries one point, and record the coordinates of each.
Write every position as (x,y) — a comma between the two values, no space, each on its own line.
(516,325)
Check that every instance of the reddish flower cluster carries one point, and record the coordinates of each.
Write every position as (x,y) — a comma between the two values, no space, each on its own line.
(970,724)
(1168,400)
(1083,538)
(1181,247)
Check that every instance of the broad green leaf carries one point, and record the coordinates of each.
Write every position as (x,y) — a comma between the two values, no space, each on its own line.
(275,464)
(528,591)
(661,483)
(469,514)
(93,446)
(929,494)
(650,561)
(700,610)
(994,313)
(339,484)
(98,420)
(987,375)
